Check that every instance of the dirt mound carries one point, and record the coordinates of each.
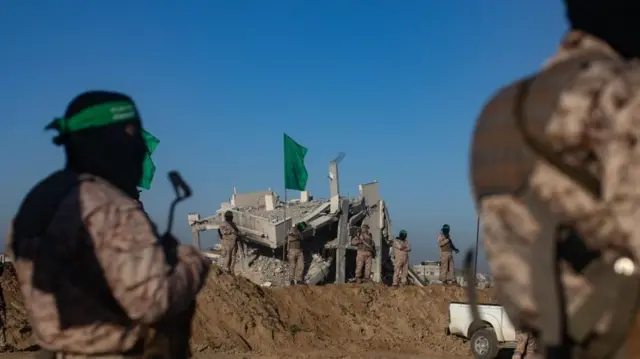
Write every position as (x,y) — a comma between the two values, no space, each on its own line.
(17,329)
(234,315)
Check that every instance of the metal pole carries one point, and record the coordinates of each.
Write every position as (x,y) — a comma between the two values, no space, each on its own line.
(285,277)
(475,262)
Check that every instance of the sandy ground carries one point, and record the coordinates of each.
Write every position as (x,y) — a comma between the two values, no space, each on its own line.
(313,355)
(237,319)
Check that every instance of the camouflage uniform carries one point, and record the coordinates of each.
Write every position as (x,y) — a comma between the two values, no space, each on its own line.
(364,255)
(94,272)
(589,183)
(446,258)
(526,345)
(295,255)
(229,233)
(401,249)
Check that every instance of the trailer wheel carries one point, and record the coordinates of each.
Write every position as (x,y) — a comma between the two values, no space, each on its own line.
(484,344)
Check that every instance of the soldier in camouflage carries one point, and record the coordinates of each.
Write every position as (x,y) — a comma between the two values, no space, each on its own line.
(447,268)
(364,255)
(295,254)
(555,164)
(97,278)
(401,249)
(526,345)
(229,234)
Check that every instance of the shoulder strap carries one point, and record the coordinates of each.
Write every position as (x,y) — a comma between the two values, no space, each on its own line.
(40,205)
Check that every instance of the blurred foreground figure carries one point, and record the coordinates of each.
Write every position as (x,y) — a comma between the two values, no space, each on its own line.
(555,170)
(97,278)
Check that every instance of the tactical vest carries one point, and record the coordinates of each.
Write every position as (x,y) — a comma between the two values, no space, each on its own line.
(447,247)
(33,219)
(367,242)
(294,239)
(509,138)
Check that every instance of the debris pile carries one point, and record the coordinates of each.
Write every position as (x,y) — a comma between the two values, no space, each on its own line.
(266,269)
(294,209)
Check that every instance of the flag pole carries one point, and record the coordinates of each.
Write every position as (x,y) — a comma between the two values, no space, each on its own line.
(285,277)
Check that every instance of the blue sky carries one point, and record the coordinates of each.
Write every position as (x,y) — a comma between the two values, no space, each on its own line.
(396,85)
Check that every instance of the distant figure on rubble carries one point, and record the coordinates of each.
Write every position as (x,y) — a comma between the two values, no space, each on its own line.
(295,254)
(526,345)
(97,279)
(365,253)
(447,268)
(401,249)
(229,234)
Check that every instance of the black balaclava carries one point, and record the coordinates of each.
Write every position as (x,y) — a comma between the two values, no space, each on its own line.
(614,21)
(114,152)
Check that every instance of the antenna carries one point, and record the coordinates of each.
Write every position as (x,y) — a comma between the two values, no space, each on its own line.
(339,157)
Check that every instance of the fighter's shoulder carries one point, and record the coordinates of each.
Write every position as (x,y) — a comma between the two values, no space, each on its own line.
(94,193)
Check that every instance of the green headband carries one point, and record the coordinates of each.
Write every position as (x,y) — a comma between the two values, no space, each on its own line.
(96,116)
(108,114)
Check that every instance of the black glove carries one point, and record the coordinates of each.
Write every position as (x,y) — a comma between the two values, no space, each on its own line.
(456,250)
(170,246)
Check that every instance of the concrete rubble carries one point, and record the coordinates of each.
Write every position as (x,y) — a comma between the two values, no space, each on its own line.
(264,221)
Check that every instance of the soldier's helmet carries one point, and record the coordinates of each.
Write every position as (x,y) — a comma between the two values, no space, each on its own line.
(228,215)
(403,234)
(365,226)
(445,228)
(301,225)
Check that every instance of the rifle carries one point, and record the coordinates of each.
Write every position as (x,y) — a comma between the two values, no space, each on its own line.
(172,340)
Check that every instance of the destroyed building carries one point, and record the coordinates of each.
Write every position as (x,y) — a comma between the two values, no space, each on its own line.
(264,221)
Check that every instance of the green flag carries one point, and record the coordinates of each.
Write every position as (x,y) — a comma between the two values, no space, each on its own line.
(148,168)
(295,173)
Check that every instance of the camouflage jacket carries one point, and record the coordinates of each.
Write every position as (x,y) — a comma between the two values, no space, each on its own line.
(400,245)
(364,242)
(444,242)
(294,238)
(228,231)
(92,268)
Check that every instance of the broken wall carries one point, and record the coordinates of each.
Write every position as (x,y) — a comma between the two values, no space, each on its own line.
(250,199)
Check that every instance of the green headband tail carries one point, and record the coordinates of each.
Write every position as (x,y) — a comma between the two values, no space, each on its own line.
(148,168)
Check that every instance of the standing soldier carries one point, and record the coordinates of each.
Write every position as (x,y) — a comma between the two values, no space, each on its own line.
(97,278)
(229,233)
(447,269)
(364,255)
(526,345)
(295,255)
(401,249)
